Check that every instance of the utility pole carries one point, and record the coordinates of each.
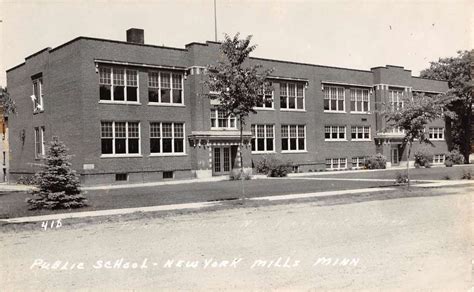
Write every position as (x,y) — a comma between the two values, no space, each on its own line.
(215,22)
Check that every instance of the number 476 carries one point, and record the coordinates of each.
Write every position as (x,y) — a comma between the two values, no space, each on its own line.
(51,224)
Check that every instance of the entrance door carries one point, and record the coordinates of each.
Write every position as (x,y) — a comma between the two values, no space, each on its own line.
(221,161)
(394,155)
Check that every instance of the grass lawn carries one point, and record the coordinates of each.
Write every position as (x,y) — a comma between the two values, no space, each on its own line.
(12,204)
(434,173)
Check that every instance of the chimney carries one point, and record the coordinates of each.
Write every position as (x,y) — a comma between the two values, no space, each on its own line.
(135,35)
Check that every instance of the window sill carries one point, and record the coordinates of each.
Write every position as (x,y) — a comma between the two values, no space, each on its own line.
(224,129)
(263,152)
(294,151)
(360,113)
(120,102)
(436,139)
(120,156)
(335,112)
(167,154)
(38,111)
(361,140)
(264,108)
(335,140)
(292,110)
(166,104)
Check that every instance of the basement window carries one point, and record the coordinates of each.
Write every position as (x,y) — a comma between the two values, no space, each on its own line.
(168,174)
(121,176)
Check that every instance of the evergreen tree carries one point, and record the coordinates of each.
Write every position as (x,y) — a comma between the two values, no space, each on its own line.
(58,183)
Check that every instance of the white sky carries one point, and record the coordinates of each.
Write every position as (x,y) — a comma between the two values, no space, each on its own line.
(355,34)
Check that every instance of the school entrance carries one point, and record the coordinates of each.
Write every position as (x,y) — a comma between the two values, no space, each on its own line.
(223,159)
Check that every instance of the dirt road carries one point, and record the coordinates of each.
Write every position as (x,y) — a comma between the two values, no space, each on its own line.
(418,243)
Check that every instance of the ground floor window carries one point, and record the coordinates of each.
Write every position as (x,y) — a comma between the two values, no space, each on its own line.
(438,159)
(293,137)
(120,138)
(358,162)
(39,142)
(336,163)
(166,138)
(263,138)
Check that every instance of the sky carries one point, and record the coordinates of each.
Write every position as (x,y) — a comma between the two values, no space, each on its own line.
(354,34)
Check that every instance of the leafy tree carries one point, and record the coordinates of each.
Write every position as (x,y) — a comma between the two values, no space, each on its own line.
(7,102)
(413,117)
(457,71)
(237,85)
(58,184)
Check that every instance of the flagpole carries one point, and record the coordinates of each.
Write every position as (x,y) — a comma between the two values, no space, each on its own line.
(215,21)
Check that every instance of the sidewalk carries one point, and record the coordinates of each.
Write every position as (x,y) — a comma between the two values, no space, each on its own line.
(201,205)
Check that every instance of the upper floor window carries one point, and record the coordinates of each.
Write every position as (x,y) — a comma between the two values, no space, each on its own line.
(38,94)
(293,138)
(292,96)
(334,99)
(166,138)
(263,138)
(266,96)
(360,133)
(220,120)
(436,133)
(118,84)
(360,100)
(396,99)
(335,133)
(165,88)
(120,138)
(39,143)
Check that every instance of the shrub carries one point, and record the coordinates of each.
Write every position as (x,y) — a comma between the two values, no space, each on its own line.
(263,166)
(448,163)
(273,167)
(455,157)
(377,161)
(401,178)
(447,177)
(236,174)
(423,157)
(466,175)
(27,180)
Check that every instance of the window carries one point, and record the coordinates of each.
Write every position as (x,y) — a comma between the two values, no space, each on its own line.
(38,94)
(220,120)
(168,174)
(118,84)
(39,142)
(120,138)
(267,99)
(336,163)
(121,176)
(436,133)
(438,158)
(166,138)
(334,99)
(358,162)
(165,88)
(361,133)
(292,96)
(335,133)
(263,138)
(396,99)
(360,100)
(293,137)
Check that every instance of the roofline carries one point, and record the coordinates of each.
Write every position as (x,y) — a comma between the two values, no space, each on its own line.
(37,53)
(308,64)
(15,67)
(440,80)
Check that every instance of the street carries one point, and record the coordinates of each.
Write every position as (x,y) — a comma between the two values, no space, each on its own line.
(416,243)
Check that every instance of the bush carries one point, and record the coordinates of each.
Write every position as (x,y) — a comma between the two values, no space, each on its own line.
(401,178)
(466,175)
(423,158)
(447,177)
(273,167)
(448,163)
(455,157)
(27,180)
(236,174)
(377,161)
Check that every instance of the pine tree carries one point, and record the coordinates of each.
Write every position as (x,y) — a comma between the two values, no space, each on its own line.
(58,183)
